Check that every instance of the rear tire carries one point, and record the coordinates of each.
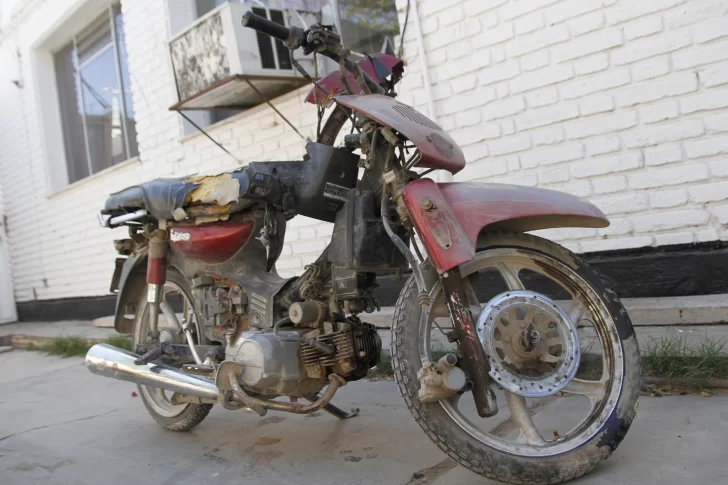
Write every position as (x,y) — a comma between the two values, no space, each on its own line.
(490,461)
(172,418)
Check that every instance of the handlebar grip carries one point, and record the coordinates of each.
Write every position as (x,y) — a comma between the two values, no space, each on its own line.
(262,24)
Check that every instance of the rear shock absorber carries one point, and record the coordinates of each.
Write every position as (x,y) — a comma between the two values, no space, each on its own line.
(156,277)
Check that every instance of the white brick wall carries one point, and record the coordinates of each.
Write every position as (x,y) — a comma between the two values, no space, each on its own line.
(624,103)
(621,102)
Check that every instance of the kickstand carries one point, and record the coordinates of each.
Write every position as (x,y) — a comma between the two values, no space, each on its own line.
(334,410)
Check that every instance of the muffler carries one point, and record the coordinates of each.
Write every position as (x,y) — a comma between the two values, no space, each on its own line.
(108,361)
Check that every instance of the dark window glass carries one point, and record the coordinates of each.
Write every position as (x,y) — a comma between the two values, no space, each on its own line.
(126,85)
(96,108)
(71,118)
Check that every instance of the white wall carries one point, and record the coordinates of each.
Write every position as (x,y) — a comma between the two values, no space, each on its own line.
(621,102)
(624,103)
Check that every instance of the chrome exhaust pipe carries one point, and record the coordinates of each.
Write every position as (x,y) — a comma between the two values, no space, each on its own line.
(108,361)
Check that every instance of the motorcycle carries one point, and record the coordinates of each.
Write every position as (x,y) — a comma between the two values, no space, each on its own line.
(490,315)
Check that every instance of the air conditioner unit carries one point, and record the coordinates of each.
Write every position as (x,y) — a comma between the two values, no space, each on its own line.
(219,64)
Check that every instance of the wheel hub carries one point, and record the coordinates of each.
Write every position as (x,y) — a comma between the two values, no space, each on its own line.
(532,345)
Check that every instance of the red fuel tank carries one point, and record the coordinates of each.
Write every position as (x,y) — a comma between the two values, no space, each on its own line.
(213,243)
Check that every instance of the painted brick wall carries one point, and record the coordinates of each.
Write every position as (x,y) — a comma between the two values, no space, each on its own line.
(621,102)
(624,103)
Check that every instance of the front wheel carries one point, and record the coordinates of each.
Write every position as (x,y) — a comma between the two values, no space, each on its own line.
(563,356)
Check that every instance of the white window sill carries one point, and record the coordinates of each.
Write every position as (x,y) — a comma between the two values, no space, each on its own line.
(107,171)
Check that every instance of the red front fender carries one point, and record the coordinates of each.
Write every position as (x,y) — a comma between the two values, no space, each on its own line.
(449,217)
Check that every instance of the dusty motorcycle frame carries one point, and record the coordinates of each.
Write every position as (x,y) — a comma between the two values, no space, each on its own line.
(204,228)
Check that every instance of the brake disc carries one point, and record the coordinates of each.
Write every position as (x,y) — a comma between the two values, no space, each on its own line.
(532,345)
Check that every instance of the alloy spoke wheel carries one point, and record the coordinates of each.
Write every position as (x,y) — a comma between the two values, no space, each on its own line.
(534,339)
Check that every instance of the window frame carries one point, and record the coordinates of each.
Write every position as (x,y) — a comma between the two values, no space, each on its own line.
(110,14)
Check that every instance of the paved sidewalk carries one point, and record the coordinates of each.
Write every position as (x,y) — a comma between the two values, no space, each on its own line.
(67,328)
(59,425)
(86,329)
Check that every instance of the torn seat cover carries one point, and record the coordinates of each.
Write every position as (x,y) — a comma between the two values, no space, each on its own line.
(182,197)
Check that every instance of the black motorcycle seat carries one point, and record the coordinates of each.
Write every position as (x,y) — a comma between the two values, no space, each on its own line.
(175,198)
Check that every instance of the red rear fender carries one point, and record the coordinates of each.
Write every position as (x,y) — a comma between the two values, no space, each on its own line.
(449,217)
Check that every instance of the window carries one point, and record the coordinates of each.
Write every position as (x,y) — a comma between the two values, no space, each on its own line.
(364,24)
(93,87)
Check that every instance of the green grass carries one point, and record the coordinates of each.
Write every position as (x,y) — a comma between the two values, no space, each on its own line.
(66,347)
(77,347)
(590,367)
(381,371)
(674,357)
(120,341)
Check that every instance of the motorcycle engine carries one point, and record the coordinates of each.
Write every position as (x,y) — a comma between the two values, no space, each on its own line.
(275,365)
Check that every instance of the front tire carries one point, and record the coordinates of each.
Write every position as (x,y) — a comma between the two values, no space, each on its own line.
(180,417)
(554,460)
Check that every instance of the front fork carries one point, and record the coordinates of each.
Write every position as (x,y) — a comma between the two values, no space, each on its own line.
(156,277)
(474,362)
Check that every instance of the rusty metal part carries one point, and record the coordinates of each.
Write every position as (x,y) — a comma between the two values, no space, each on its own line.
(440,380)
(475,361)
(313,284)
(308,313)
(228,374)
(260,405)
(343,343)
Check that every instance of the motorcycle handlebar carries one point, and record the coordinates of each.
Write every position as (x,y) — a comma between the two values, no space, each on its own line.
(295,37)
(262,24)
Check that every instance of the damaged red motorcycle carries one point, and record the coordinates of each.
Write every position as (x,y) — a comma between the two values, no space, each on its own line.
(510,352)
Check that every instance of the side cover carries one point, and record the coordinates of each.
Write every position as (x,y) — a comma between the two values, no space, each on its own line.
(449,217)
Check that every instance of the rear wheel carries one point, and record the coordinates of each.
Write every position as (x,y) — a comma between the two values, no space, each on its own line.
(567,395)
(173,417)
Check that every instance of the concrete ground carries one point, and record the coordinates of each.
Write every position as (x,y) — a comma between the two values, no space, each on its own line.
(61,425)
(65,328)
